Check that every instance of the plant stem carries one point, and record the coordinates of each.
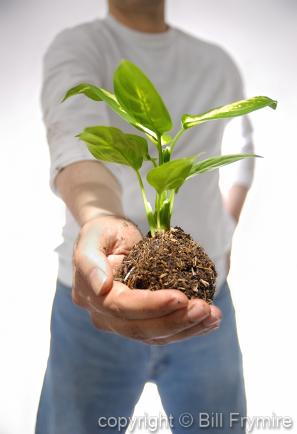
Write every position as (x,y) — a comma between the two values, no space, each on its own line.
(163,210)
(175,139)
(171,200)
(147,206)
(158,197)
(152,160)
(161,160)
(157,209)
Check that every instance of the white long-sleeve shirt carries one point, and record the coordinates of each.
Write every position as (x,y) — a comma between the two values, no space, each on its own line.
(192,76)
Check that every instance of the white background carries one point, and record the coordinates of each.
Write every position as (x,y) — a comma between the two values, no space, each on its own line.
(262,37)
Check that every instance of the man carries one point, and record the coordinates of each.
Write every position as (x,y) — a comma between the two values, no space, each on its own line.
(95,373)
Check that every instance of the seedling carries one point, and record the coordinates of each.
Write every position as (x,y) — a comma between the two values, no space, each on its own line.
(136,100)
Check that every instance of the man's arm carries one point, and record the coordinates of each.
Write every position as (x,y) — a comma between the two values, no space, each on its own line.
(89,190)
(235,200)
(233,203)
(93,196)
(242,174)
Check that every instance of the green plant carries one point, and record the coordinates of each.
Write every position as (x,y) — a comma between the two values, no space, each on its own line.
(136,100)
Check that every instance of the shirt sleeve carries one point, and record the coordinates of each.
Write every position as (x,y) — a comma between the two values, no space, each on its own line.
(68,62)
(238,137)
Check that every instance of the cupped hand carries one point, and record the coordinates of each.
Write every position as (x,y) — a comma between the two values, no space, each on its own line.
(154,317)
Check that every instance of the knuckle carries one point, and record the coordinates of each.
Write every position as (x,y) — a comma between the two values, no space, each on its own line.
(77,299)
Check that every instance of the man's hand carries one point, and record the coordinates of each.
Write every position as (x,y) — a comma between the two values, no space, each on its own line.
(154,317)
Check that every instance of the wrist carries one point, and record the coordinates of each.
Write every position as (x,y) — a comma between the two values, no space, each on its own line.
(94,216)
(106,219)
(89,213)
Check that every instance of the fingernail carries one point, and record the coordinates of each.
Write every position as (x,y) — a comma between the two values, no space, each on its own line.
(197,312)
(97,279)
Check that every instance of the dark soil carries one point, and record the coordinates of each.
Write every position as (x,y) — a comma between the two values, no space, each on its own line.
(170,260)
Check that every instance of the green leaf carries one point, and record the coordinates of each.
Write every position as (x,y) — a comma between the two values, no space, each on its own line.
(99,94)
(87,89)
(213,163)
(112,145)
(139,97)
(234,109)
(171,175)
(140,142)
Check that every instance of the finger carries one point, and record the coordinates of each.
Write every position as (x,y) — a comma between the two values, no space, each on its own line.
(165,326)
(171,328)
(78,298)
(107,236)
(89,260)
(199,329)
(186,334)
(214,317)
(115,262)
(127,236)
(125,303)
(81,292)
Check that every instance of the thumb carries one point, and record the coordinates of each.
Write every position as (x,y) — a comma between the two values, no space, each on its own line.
(90,261)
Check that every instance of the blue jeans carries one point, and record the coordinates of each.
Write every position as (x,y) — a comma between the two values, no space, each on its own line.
(94,375)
